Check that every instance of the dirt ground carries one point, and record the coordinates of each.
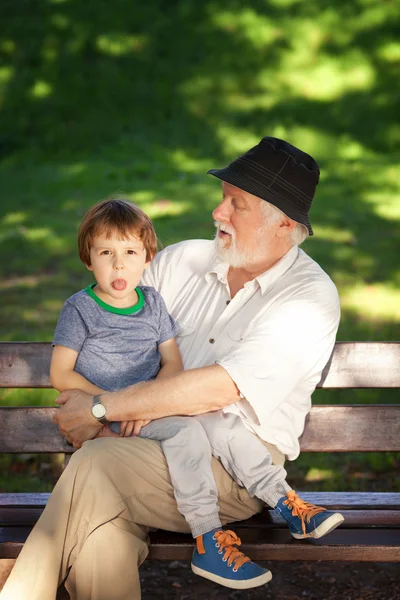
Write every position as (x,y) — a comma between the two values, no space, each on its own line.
(291,581)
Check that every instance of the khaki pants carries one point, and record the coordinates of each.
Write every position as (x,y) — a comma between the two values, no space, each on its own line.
(94,529)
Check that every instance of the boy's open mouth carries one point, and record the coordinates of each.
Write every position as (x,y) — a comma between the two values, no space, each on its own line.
(119,284)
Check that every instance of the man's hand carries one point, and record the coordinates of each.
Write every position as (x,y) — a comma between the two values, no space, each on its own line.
(128,428)
(74,417)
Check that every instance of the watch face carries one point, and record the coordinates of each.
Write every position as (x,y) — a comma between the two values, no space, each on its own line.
(99,411)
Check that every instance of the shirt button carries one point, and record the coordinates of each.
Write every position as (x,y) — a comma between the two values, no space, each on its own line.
(211,340)
(227,301)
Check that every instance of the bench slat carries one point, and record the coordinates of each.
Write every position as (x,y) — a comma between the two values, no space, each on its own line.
(352,365)
(276,544)
(344,428)
(353,518)
(331,500)
(357,365)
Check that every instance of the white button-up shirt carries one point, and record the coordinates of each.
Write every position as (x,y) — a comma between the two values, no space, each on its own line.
(273,338)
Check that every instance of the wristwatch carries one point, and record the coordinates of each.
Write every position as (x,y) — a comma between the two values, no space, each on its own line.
(99,411)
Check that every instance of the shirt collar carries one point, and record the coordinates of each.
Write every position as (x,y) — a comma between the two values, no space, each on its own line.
(220,268)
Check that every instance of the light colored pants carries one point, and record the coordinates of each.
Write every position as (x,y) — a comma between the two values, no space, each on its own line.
(189,442)
(94,528)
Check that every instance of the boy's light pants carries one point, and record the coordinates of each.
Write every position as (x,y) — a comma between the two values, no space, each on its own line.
(95,525)
(188,444)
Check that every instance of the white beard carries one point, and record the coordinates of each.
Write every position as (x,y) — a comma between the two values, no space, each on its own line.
(239,257)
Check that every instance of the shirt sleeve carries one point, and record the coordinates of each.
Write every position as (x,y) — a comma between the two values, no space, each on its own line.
(283,353)
(168,327)
(71,330)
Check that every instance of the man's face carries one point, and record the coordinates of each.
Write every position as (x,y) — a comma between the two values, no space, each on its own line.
(243,234)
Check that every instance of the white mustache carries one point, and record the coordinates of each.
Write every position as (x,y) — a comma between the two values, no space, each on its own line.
(223,227)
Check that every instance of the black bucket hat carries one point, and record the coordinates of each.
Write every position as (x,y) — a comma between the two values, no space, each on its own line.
(277,172)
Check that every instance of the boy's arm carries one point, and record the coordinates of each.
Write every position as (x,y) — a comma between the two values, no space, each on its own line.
(62,374)
(171,361)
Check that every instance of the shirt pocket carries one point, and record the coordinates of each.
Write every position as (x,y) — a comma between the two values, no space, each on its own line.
(186,328)
(237,332)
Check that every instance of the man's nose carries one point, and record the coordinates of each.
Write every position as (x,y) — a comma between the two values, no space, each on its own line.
(221,212)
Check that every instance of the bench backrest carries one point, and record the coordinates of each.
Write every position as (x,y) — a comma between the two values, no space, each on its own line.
(328,428)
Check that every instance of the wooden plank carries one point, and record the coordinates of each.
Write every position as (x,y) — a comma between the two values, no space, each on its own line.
(360,428)
(27,517)
(352,365)
(30,429)
(331,500)
(363,365)
(25,364)
(339,428)
(344,545)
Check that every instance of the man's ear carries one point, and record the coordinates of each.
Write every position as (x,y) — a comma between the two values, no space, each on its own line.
(286,226)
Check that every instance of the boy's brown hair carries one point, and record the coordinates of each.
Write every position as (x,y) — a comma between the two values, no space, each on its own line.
(120,216)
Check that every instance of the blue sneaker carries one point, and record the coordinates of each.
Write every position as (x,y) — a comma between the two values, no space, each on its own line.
(306,520)
(216,557)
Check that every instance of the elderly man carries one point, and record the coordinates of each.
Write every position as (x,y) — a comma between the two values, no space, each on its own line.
(258,323)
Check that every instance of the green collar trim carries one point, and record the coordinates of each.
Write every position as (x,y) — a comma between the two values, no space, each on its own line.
(113,309)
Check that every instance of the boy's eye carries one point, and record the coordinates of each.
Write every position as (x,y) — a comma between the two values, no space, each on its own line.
(131,252)
(105,252)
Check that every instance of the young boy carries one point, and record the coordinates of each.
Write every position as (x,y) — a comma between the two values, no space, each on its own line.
(115,334)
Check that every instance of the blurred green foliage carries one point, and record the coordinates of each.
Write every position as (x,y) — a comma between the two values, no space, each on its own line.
(99,97)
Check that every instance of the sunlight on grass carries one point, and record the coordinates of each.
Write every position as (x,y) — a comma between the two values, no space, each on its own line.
(7,46)
(28,397)
(14,218)
(6,74)
(259,30)
(41,89)
(315,474)
(161,208)
(118,44)
(336,235)
(377,301)
(329,79)
(61,21)
(390,52)
(74,169)
(235,138)
(29,281)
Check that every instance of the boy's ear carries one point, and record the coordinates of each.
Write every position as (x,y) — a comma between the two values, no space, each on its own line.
(89,267)
(147,264)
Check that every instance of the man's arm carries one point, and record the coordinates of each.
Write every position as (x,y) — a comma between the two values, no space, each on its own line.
(171,363)
(191,392)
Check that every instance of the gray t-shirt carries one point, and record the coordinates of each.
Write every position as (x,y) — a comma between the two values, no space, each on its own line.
(115,350)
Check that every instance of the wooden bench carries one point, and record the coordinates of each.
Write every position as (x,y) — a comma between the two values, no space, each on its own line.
(371,531)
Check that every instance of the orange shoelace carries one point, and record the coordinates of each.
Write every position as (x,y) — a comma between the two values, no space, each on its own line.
(228,540)
(301,509)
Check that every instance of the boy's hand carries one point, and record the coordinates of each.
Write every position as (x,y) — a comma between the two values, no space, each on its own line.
(128,428)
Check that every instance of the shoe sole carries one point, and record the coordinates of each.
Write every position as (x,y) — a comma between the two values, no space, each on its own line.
(234,584)
(325,527)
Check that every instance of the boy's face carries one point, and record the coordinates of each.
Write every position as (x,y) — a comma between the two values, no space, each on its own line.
(118,266)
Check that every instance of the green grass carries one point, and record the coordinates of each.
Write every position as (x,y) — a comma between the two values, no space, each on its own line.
(98,98)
